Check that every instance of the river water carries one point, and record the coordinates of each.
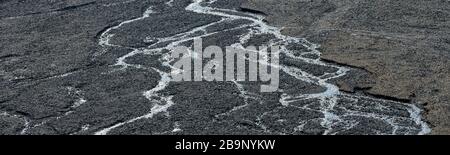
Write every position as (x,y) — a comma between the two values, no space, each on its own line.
(308,102)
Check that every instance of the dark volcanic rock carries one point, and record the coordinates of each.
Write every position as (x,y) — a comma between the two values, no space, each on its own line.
(48,66)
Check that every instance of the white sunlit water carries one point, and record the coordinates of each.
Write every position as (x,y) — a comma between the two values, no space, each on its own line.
(328,100)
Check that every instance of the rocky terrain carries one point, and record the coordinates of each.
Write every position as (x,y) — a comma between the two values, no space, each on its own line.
(102,67)
(403,45)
